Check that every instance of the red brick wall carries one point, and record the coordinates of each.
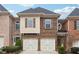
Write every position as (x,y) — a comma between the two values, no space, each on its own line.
(5,28)
(73,34)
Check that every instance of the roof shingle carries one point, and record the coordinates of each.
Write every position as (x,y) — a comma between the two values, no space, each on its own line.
(2,8)
(75,12)
(38,10)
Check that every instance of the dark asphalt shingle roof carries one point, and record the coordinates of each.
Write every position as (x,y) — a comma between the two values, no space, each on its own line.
(2,8)
(38,10)
(60,21)
(75,12)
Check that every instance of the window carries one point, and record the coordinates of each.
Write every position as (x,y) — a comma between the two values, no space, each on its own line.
(47,23)
(17,25)
(30,23)
(16,38)
(77,24)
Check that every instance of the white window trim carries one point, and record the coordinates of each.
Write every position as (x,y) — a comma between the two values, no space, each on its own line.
(45,23)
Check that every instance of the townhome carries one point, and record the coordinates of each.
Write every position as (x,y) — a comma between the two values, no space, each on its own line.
(69,30)
(38,28)
(73,28)
(9,28)
(5,27)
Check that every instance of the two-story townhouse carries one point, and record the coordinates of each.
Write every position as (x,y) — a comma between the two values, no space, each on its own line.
(68,33)
(38,28)
(73,29)
(5,27)
(9,28)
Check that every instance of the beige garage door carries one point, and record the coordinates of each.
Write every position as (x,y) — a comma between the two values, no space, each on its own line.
(48,45)
(30,44)
(75,44)
(1,42)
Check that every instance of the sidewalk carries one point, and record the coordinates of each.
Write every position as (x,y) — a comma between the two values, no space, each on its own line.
(38,52)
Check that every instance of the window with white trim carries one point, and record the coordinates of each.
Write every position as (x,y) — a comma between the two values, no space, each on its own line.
(47,24)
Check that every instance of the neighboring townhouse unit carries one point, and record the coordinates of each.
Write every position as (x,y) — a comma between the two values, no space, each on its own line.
(5,27)
(9,28)
(69,32)
(73,28)
(38,28)
(16,29)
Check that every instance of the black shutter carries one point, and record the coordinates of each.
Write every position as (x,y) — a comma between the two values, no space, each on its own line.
(25,22)
(75,26)
(34,23)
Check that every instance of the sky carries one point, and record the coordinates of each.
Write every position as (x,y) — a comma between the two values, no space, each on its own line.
(63,9)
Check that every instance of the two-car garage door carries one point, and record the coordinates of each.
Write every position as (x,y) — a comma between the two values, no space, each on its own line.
(32,44)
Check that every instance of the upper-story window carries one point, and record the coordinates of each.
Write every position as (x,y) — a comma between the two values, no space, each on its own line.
(47,24)
(77,24)
(17,25)
(30,23)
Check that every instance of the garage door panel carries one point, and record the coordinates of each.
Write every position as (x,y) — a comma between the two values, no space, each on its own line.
(47,44)
(30,44)
(75,44)
(1,42)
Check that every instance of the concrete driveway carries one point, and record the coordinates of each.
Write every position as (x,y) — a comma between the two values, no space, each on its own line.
(38,52)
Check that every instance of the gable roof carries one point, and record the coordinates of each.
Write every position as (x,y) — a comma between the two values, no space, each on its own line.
(38,10)
(2,8)
(4,11)
(62,21)
(75,12)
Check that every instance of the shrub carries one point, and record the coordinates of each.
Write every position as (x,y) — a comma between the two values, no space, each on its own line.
(11,49)
(61,50)
(75,50)
(19,43)
(1,52)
